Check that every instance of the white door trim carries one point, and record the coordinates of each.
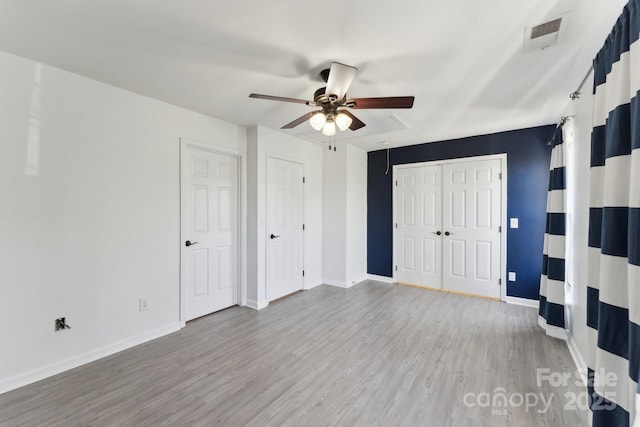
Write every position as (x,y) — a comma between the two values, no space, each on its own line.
(185,144)
(292,159)
(503,214)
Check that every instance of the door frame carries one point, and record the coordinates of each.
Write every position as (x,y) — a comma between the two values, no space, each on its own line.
(270,155)
(187,144)
(503,209)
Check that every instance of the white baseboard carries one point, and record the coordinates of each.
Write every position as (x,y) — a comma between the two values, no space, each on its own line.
(523,301)
(577,359)
(82,359)
(377,278)
(257,305)
(358,281)
(309,286)
(336,283)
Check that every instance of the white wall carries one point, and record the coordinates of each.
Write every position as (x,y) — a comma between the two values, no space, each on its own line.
(89,216)
(356,215)
(263,142)
(578,141)
(345,216)
(334,211)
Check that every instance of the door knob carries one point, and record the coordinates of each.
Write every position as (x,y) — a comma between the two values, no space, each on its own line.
(446,233)
(189,243)
(273,236)
(437,232)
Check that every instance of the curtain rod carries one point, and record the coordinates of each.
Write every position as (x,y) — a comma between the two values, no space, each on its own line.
(563,120)
(576,94)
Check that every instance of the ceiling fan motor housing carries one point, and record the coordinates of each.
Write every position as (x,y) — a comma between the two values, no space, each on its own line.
(321,97)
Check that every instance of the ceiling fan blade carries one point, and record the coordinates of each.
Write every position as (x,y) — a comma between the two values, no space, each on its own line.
(299,120)
(386,102)
(280,98)
(340,78)
(356,123)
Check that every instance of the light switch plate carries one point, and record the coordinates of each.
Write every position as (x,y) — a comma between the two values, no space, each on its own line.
(512,276)
(514,222)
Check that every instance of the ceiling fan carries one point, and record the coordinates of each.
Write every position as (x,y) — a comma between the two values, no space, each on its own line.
(333,102)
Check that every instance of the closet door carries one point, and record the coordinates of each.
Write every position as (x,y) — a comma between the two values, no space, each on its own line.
(471,233)
(418,222)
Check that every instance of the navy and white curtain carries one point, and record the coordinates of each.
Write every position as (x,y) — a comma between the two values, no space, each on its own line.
(613,293)
(551,308)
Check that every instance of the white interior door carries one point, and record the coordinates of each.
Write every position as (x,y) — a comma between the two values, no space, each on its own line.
(285,235)
(418,222)
(210,231)
(471,227)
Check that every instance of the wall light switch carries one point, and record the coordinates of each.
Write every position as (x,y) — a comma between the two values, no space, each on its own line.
(514,222)
(512,276)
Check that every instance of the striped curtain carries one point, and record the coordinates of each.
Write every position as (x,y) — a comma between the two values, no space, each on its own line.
(613,293)
(551,309)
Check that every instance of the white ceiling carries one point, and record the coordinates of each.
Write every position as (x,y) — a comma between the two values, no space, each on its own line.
(462,60)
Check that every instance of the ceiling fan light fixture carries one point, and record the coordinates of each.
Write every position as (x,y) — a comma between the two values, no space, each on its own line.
(318,120)
(329,128)
(343,121)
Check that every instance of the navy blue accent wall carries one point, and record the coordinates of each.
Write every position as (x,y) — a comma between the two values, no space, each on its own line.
(527,183)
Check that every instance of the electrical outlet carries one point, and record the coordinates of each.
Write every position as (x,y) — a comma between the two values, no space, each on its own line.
(143,304)
(512,276)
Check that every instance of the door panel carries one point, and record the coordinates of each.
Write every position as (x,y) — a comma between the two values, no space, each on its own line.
(200,276)
(284,222)
(209,215)
(483,260)
(419,248)
(429,263)
(457,258)
(472,217)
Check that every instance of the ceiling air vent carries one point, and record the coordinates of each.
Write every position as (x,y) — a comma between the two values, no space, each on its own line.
(542,36)
(546,28)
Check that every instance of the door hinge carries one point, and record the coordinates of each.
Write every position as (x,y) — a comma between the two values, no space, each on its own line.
(396,225)
(302,273)
(500,175)
(499,229)
(303,179)
(396,182)
(499,281)
(396,268)
(302,226)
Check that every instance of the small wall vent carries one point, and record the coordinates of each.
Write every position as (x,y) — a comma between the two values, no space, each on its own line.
(547,34)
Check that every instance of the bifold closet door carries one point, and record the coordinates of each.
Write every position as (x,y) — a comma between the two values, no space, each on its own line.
(471,227)
(418,222)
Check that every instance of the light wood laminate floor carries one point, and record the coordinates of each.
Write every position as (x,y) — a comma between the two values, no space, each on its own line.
(375,354)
